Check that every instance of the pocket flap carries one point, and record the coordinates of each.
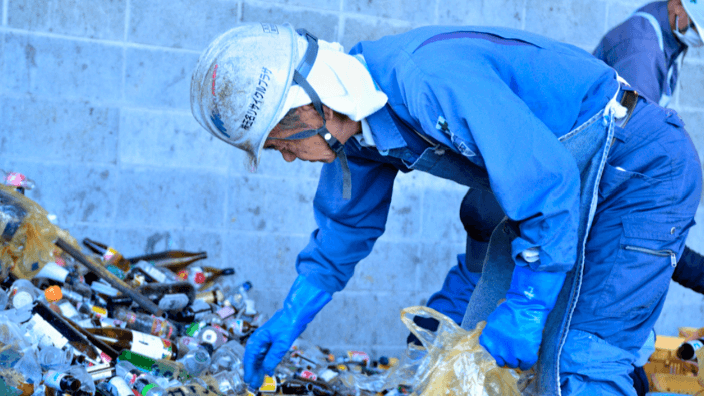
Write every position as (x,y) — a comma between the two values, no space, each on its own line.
(659,228)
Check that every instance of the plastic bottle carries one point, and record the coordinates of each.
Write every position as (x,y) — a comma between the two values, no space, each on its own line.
(61,381)
(228,358)
(155,274)
(4,298)
(239,298)
(214,335)
(146,385)
(145,323)
(230,382)
(118,387)
(22,293)
(197,359)
(239,327)
(53,358)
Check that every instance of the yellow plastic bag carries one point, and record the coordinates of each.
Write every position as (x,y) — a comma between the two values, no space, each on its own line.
(455,364)
(26,235)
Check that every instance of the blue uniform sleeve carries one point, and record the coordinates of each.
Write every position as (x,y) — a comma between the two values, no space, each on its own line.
(690,271)
(533,176)
(642,71)
(347,229)
(633,50)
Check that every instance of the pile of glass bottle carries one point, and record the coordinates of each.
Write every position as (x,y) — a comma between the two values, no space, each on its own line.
(68,331)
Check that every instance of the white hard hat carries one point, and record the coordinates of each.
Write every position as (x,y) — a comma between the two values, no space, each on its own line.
(240,84)
(695,11)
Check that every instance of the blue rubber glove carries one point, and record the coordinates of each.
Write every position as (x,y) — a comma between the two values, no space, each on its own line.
(514,330)
(268,345)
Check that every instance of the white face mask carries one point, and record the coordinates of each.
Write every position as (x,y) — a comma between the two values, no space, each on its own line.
(690,37)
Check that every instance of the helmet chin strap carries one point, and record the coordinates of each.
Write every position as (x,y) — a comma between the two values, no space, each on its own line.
(299,77)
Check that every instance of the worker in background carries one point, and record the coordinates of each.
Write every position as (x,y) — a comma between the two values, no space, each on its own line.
(597,214)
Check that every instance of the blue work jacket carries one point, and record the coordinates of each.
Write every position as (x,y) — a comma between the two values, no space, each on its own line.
(644,51)
(494,98)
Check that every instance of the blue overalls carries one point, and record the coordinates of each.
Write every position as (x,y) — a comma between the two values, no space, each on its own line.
(496,109)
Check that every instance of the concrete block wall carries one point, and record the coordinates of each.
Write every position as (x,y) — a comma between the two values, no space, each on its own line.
(94,106)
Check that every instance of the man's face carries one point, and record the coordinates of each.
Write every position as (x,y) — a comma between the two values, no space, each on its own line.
(313,149)
(676,12)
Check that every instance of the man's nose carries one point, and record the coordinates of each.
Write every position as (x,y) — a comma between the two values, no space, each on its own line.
(288,156)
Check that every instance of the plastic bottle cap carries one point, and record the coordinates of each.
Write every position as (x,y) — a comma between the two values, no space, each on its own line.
(53,293)
(183,275)
(200,278)
(21,299)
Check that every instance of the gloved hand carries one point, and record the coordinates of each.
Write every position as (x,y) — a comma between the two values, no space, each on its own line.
(514,330)
(268,345)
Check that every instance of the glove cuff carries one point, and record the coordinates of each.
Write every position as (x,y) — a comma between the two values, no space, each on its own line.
(536,287)
(304,301)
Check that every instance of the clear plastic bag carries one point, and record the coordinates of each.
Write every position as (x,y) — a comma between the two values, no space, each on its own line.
(451,361)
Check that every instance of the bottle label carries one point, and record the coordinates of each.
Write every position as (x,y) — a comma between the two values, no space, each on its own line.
(152,271)
(161,328)
(225,312)
(146,388)
(357,356)
(308,375)
(120,387)
(150,346)
(104,289)
(49,336)
(68,310)
(269,385)
(53,379)
(109,254)
(696,344)
(328,375)
(172,302)
(99,312)
(105,358)
(53,271)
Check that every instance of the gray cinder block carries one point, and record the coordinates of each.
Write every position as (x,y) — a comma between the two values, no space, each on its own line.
(189,24)
(274,205)
(167,197)
(83,18)
(160,79)
(57,67)
(575,22)
(169,139)
(62,131)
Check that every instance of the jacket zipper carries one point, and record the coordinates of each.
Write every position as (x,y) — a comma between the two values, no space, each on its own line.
(662,253)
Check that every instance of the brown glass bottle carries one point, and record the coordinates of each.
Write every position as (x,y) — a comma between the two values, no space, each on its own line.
(138,342)
(175,260)
(204,277)
(109,255)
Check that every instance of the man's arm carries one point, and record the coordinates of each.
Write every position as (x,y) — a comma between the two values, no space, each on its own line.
(347,229)
(690,271)
(533,176)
